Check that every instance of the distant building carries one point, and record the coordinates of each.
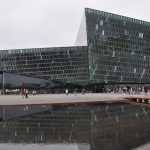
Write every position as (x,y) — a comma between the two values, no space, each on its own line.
(109,48)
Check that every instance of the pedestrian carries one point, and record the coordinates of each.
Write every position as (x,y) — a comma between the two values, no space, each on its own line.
(26,93)
(75,91)
(33,92)
(83,91)
(66,91)
(23,93)
(145,90)
(128,89)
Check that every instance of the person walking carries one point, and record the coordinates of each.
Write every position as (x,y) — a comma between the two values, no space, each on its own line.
(75,91)
(23,93)
(26,93)
(145,90)
(66,91)
(128,89)
(83,91)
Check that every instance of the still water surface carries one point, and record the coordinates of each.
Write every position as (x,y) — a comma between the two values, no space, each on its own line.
(80,127)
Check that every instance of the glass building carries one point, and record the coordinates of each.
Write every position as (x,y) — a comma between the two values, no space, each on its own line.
(118,47)
(109,49)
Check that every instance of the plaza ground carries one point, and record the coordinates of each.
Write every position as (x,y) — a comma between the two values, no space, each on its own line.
(62,98)
(59,98)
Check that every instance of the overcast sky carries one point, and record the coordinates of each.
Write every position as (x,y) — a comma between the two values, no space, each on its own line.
(54,23)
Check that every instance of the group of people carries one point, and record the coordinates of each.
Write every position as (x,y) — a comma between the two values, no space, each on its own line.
(75,91)
(129,89)
(25,93)
(124,89)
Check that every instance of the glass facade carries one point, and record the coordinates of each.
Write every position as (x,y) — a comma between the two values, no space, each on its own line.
(13,81)
(117,51)
(68,64)
(119,48)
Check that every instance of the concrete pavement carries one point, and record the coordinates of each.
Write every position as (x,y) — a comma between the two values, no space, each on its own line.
(59,98)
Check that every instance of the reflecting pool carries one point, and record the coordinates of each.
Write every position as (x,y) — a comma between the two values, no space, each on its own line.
(78,127)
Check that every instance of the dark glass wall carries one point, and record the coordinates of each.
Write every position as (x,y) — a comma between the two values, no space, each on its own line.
(68,64)
(118,48)
(13,81)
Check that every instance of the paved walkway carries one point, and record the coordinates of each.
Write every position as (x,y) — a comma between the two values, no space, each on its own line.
(59,98)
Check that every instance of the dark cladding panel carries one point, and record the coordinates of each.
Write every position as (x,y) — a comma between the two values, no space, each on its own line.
(67,64)
(118,48)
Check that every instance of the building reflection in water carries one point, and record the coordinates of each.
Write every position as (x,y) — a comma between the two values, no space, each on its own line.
(104,127)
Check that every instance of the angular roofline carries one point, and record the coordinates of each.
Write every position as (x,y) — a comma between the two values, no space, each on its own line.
(63,47)
(117,16)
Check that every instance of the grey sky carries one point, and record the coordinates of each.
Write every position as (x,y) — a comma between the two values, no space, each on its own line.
(54,23)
